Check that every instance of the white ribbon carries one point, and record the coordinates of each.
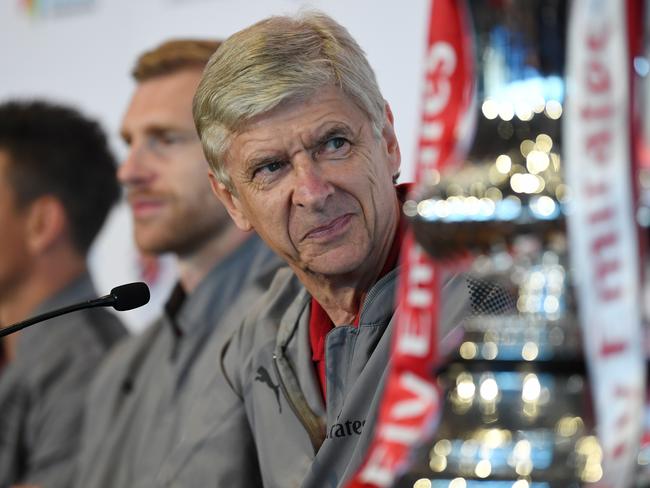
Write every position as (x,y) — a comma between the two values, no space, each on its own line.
(602,231)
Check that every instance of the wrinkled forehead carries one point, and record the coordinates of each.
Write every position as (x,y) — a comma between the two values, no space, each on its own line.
(301,119)
(299,98)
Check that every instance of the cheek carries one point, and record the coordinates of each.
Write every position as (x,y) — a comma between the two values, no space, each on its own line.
(14,247)
(270,214)
(377,203)
(271,218)
(190,182)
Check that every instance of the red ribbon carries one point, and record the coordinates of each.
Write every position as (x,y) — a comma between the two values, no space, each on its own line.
(411,404)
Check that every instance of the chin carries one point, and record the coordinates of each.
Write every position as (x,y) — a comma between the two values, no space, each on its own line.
(340,261)
(334,267)
(153,246)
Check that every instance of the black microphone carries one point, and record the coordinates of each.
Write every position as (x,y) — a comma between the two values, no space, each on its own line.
(121,298)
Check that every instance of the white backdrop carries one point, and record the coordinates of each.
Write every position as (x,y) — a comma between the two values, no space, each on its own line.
(81,52)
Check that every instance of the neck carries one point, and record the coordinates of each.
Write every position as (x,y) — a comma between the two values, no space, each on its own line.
(340,302)
(194,267)
(46,276)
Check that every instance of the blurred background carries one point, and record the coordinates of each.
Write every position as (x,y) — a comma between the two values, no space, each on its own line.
(80,52)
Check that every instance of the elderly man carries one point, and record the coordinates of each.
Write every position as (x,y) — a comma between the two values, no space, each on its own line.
(57,184)
(303,150)
(150,405)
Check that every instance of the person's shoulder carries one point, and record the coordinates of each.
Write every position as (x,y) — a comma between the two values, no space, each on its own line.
(121,358)
(91,335)
(262,262)
(282,291)
(58,343)
(89,330)
(260,325)
(110,323)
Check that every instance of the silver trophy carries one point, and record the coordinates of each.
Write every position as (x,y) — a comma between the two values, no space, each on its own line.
(517,410)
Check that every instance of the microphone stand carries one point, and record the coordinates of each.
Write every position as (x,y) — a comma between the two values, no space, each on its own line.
(121,298)
(99,302)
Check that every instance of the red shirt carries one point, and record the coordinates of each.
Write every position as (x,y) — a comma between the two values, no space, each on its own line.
(320,323)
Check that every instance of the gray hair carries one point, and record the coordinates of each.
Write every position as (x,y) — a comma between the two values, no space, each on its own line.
(279,59)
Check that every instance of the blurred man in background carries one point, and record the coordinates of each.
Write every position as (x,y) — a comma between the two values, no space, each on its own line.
(151,406)
(57,185)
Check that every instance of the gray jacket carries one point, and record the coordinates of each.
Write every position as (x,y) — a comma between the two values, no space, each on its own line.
(299,441)
(42,391)
(142,422)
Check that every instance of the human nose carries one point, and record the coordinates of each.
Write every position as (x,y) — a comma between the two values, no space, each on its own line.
(134,170)
(312,187)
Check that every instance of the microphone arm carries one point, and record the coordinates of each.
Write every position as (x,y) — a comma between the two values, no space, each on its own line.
(48,315)
(125,297)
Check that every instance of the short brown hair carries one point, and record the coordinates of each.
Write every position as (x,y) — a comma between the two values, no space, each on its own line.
(172,56)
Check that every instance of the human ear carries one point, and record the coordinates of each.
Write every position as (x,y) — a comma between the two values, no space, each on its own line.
(392,146)
(230,202)
(46,223)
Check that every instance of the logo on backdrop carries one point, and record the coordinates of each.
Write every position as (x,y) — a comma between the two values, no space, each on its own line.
(56,8)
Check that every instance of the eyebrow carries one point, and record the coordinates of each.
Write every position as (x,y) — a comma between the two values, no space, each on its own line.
(338,129)
(252,165)
(157,130)
(327,130)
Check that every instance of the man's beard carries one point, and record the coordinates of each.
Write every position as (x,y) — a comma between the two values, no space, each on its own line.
(182,235)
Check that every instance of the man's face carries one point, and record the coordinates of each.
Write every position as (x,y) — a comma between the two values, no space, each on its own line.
(14,251)
(315,181)
(165,171)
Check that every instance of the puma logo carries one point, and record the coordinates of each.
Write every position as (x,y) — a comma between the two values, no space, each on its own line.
(263,376)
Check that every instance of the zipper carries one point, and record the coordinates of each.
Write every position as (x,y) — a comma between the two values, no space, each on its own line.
(376,289)
(309,420)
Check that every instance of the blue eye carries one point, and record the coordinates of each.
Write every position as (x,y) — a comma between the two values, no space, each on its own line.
(334,144)
(334,147)
(272,167)
(266,170)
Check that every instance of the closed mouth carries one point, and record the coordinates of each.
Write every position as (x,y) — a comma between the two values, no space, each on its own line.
(330,229)
(144,206)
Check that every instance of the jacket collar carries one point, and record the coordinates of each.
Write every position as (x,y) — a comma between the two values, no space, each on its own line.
(188,314)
